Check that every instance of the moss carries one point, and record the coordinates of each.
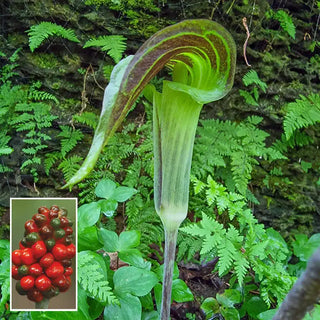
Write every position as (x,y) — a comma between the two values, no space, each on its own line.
(44,60)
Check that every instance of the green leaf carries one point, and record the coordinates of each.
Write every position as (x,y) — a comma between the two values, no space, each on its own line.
(230,313)
(122,194)
(6,150)
(158,295)
(105,189)
(267,315)
(129,239)
(109,239)
(88,215)
(180,291)
(88,239)
(95,308)
(210,306)
(255,306)
(108,207)
(151,315)
(5,291)
(229,298)
(114,45)
(83,305)
(304,165)
(4,249)
(40,32)
(130,308)
(134,258)
(54,315)
(133,280)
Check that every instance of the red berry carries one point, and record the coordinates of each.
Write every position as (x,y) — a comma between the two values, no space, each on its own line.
(68,271)
(64,222)
(43,283)
(55,208)
(53,214)
(21,246)
(45,211)
(15,274)
(35,295)
(39,249)
(27,283)
(27,256)
(30,226)
(35,270)
(71,251)
(46,232)
(66,263)
(16,257)
(55,270)
(46,260)
(40,219)
(62,282)
(68,231)
(59,251)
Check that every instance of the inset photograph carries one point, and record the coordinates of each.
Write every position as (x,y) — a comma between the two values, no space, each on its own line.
(43,254)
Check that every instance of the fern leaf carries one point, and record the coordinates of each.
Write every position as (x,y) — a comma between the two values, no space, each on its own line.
(93,277)
(301,114)
(42,95)
(113,45)
(227,254)
(88,118)
(5,150)
(30,162)
(70,138)
(248,98)
(42,31)
(70,166)
(286,23)
(241,266)
(50,160)
(252,77)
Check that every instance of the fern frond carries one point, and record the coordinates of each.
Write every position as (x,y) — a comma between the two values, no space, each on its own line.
(241,266)
(227,254)
(5,150)
(301,114)
(31,162)
(88,118)
(70,166)
(70,138)
(42,31)
(286,23)
(252,77)
(114,45)
(50,160)
(93,279)
(42,95)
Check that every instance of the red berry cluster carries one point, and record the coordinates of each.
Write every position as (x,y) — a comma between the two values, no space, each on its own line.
(43,263)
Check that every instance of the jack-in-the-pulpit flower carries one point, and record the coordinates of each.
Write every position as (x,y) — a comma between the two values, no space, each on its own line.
(201,55)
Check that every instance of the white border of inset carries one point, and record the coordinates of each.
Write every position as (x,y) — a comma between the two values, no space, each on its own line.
(76,256)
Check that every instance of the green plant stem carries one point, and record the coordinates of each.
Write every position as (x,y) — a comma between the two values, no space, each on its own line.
(43,304)
(169,258)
